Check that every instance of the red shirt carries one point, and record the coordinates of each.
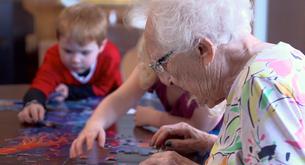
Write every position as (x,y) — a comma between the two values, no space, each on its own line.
(105,79)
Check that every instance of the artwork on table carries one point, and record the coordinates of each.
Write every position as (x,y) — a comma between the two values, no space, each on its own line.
(51,139)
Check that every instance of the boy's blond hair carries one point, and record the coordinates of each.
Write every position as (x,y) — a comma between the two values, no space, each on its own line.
(82,23)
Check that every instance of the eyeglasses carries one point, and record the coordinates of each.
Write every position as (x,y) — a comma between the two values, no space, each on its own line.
(158,65)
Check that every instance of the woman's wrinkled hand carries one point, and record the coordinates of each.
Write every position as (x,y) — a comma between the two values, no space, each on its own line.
(167,158)
(182,138)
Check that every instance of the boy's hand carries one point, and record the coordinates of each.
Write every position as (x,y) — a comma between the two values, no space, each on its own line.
(32,113)
(92,131)
(146,116)
(63,90)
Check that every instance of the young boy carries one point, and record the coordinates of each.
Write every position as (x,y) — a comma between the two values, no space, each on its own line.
(83,63)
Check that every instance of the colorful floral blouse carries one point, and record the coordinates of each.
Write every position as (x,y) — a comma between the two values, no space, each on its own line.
(265,113)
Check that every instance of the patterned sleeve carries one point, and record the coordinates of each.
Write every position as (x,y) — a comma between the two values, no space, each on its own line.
(272,123)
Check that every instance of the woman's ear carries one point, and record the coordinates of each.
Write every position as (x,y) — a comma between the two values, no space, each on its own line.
(206,50)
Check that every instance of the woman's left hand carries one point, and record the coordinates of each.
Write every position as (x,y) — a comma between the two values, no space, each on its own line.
(167,158)
(183,138)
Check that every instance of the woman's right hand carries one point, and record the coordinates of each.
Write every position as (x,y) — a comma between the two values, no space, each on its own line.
(92,131)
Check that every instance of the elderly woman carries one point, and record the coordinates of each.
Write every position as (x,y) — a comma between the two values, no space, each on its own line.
(206,47)
(178,104)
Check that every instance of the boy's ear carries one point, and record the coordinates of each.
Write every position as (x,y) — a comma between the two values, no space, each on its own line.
(206,50)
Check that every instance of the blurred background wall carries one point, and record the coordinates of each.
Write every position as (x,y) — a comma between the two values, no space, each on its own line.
(27,29)
(15,24)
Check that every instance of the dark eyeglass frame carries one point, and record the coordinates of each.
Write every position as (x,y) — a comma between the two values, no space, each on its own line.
(157,66)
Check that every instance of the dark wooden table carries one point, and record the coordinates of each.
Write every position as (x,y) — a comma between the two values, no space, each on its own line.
(126,144)
(13,91)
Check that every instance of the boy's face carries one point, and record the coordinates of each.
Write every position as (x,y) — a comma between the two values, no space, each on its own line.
(78,58)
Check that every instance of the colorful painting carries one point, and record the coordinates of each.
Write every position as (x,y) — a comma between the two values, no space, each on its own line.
(48,142)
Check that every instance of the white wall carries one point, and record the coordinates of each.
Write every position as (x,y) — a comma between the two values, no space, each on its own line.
(261,19)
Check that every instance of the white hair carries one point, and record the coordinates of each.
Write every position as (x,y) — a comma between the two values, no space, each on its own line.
(179,23)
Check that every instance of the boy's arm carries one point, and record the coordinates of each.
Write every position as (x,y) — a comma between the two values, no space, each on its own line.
(48,76)
(44,82)
(34,106)
(34,94)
